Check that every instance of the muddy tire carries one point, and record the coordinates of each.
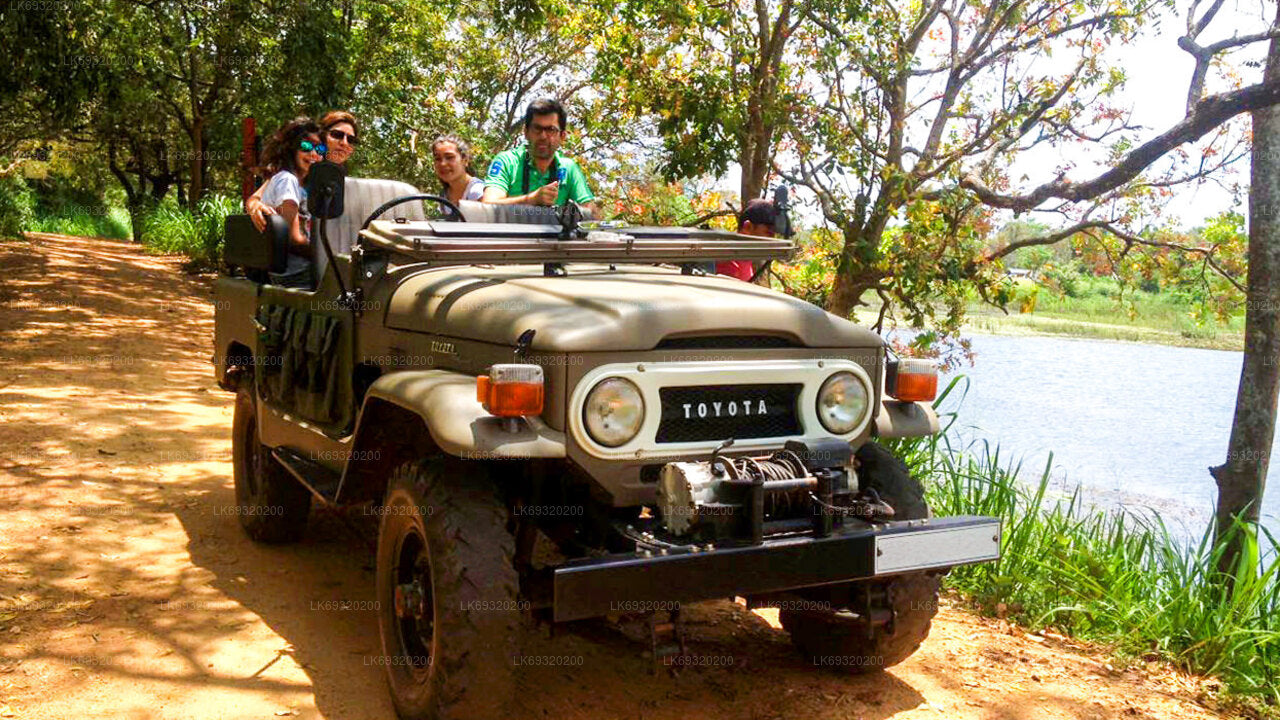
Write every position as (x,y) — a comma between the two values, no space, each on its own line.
(842,639)
(448,609)
(271,504)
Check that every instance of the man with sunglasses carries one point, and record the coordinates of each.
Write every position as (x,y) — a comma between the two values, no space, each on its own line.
(536,173)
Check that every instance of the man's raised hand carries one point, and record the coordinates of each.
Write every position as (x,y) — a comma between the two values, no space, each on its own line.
(547,194)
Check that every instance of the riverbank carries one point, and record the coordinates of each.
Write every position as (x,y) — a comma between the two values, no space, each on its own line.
(1163,318)
(985,319)
(128,590)
(1116,577)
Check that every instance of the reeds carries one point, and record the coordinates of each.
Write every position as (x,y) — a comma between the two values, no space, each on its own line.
(1113,576)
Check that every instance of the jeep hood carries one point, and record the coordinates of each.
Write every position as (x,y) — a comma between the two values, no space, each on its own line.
(593,308)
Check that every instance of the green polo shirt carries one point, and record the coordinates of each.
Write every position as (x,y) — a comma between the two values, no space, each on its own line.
(508,168)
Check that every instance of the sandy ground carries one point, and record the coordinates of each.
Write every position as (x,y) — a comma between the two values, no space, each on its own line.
(127,589)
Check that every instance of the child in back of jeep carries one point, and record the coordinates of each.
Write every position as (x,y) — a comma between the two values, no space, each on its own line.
(288,157)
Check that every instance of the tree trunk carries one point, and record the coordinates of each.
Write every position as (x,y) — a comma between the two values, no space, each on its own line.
(132,195)
(196,189)
(752,183)
(1242,478)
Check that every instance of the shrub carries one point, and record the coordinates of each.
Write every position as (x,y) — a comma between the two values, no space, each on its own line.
(85,221)
(1111,576)
(172,229)
(17,206)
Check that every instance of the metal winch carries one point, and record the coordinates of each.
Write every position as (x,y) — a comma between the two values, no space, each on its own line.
(806,486)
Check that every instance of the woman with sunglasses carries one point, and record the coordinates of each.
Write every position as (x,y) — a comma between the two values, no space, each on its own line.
(289,155)
(338,132)
(452,157)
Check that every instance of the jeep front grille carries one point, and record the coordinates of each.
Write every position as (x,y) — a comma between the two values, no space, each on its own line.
(720,412)
(788,388)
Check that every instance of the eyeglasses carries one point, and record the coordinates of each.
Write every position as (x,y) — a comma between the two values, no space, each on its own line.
(544,129)
(338,135)
(308,146)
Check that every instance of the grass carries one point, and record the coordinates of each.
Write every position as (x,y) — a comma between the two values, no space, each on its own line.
(170,229)
(173,229)
(1097,310)
(85,221)
(1114,577)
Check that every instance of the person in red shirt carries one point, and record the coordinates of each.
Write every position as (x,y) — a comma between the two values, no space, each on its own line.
(758,219)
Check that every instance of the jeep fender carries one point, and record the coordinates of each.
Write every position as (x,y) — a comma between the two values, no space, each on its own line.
(898,419)
(446,403)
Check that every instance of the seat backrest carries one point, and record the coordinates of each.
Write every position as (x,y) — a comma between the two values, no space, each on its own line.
(361,197)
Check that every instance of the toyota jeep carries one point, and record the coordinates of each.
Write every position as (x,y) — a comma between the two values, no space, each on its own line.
(559,419)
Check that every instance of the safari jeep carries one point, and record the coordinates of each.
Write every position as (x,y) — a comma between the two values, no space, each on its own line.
(558,419)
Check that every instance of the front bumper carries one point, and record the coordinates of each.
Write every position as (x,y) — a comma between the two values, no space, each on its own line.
(592,587)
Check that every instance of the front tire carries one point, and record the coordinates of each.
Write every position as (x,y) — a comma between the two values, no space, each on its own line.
(272,505)
(843,639)
(448,609)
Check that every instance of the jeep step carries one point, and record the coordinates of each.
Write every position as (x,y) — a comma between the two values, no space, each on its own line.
(320,480)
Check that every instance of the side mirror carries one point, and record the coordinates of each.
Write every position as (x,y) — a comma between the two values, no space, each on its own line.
(781,203)
(325,184)
(245,247)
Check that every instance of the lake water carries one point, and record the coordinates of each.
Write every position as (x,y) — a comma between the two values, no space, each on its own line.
(1135,425)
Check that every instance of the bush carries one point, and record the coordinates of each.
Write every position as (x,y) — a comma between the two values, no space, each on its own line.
(86,221)
(62,208)
(17,206)
(1065,278)
(1111,576)
(174,230)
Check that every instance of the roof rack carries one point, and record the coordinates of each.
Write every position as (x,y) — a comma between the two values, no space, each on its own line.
(515,243)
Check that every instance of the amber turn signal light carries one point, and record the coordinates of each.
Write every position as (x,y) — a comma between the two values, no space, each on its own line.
(911,380)
(511,390)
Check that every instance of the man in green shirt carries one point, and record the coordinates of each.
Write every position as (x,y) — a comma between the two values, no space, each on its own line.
(536,173)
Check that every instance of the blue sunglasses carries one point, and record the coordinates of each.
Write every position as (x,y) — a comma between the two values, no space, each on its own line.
(308,146)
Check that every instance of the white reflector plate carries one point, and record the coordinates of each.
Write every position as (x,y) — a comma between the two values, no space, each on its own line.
(926,548)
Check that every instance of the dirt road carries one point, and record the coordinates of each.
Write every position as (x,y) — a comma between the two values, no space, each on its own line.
(128,591)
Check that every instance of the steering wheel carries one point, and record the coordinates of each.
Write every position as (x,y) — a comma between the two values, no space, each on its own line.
(409,198)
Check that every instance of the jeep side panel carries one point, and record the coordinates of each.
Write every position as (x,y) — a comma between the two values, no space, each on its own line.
(235,300)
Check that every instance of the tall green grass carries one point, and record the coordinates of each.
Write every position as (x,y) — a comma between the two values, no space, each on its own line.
(173,229)
(1111,576)
(85,221)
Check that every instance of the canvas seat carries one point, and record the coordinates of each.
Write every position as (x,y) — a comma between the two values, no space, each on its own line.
(363,196)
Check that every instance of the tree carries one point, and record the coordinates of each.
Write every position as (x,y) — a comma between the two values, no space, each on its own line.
(196,57)
(384,60)
(717,78)
(1242,478)
(47,80)
(922,114)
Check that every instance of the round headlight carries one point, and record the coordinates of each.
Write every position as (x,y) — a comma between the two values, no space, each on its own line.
(613,412)
(842,403)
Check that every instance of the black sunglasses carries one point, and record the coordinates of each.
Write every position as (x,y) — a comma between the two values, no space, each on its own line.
(339,135)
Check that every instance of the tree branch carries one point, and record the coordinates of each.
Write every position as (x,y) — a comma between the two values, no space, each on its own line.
(1208,114)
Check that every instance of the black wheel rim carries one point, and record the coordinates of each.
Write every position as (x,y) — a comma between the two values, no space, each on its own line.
(412,599)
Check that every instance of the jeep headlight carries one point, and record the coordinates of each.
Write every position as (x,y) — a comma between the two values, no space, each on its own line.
(613,412)
(842,403)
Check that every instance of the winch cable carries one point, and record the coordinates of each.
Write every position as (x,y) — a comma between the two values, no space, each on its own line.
(647,540)
(782,465)
(873,507)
